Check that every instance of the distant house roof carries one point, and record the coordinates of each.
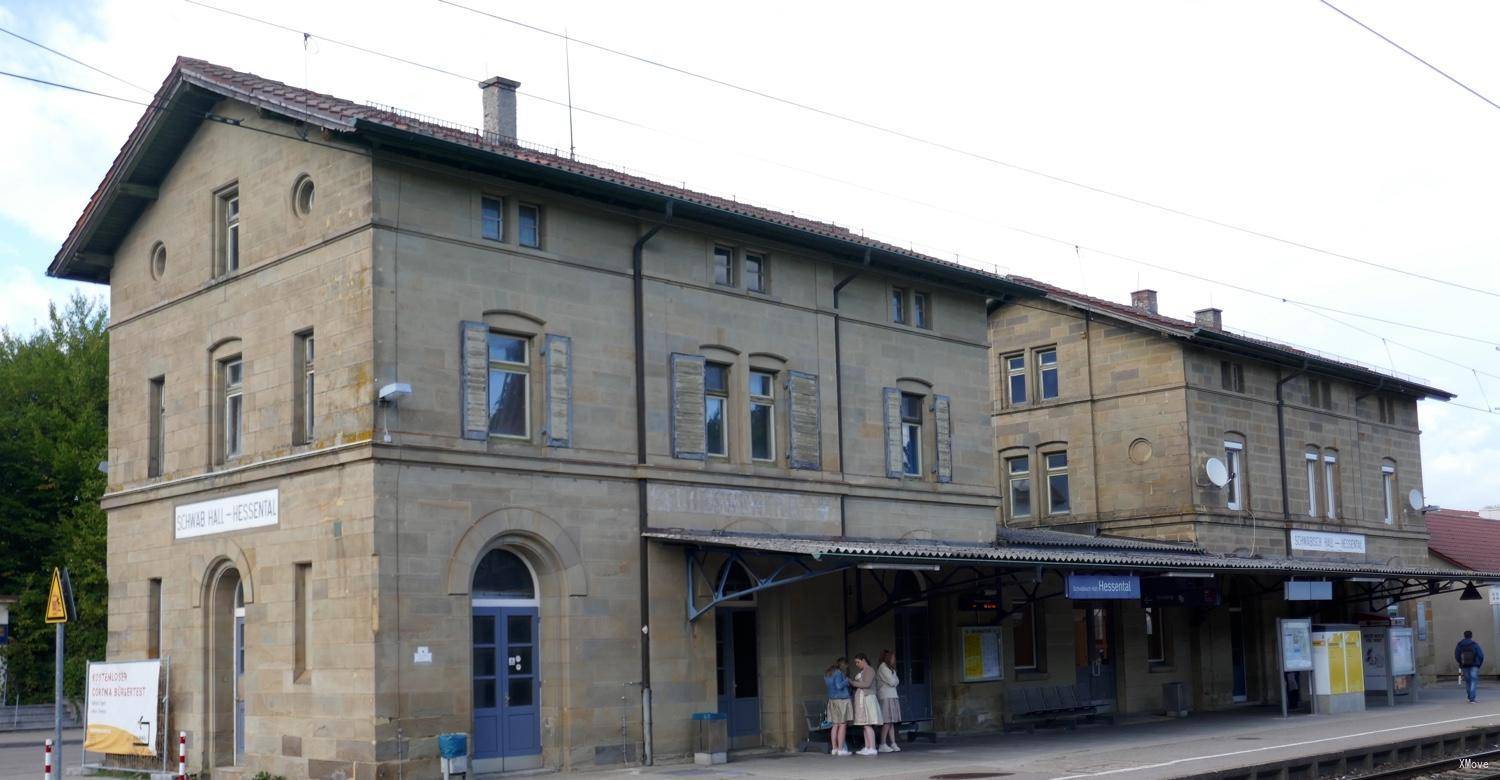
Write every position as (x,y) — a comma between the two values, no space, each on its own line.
(1464,538)
(1239,343)
(193,87)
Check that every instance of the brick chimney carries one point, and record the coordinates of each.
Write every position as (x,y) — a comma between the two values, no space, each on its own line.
(500,108)
(1145,300)
(1213,319)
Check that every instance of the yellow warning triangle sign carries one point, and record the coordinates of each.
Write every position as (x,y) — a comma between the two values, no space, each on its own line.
(57,604)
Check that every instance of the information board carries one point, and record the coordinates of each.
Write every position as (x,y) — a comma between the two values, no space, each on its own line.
(122,712)
(1403,659)
(982,653)
(1296,645)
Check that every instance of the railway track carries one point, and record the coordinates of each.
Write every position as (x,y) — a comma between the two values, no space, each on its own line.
(1482,765)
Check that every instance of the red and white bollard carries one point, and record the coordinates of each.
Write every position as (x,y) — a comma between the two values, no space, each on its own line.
(182,755)
(47,762)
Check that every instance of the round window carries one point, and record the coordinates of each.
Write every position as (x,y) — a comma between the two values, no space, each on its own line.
(158,260)
(302,196)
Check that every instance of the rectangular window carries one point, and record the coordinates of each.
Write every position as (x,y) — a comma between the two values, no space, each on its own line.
(234,406)
(716,402)
(1320,393)
(724,266)
(1156,636)
(1331,485)
(301,622)
(921,310)
(1046,368)
(153,618)
(229,230)
(1387,410)
(529,218)
(1232,376)
(1018,479)
(157,411)
(305,389)
(492,218)
(510,385)
(1027,639)
(898,305)
(1234,461)
(911,435)
(1057,483)
(1312,484)
(762,415)
(1388,490)
(755,272)
(1015,379)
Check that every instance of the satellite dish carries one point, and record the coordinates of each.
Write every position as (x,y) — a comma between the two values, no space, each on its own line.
(1216,472)
(1415,499)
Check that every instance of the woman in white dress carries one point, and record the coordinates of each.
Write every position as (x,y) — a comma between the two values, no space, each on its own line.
(890,701)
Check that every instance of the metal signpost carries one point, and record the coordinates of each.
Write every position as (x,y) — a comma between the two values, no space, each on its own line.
(60,610)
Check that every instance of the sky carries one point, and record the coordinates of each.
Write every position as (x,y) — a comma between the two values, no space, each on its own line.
(1282,118)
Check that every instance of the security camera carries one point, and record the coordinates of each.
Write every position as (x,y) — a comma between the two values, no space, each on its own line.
(394,392)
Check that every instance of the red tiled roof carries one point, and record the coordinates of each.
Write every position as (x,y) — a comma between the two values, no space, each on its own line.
(342,115)
(1465,538)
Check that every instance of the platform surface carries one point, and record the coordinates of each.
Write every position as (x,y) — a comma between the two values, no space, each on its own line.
(1145,748)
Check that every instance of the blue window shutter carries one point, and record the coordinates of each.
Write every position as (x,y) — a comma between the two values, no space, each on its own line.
(474,380)
(891,408)
(804,428)
(942,419)
(557,356)
(688,424)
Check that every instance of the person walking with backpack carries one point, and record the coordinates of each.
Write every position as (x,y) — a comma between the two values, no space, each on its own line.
(1470,656)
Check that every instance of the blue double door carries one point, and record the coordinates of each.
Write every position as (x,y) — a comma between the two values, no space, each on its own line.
(507,689)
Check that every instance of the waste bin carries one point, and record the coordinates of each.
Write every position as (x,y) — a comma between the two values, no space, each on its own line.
(710,738)
(1174,699)
(453,752)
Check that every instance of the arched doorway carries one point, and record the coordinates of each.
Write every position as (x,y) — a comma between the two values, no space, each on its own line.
(224,716)
(506,669)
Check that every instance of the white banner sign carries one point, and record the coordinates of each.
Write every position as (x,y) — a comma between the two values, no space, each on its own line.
(235,513)
(1323,541)
(122,708)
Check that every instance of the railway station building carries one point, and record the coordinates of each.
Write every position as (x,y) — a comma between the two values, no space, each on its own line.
(418,429)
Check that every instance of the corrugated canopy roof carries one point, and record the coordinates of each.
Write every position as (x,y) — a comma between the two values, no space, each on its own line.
(1082,552)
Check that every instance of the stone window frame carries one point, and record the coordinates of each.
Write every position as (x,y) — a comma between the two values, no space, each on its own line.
(723,396)
(1232,376)
(738,256)
(503,222)
(1041,369)
(540,226)
(522,325)
(912,431)
(1332,479)
(903,297)
(227,231)
(1313,456)
(1009,478)
(304,387)
(1044,456)
(1012,373)
(1390,490)
(156,425)
(753,400)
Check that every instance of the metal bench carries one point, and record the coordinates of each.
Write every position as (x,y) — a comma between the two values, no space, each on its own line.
(1028,707)
(818,728)
(910,727)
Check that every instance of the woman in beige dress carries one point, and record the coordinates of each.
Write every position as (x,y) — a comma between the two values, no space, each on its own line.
(866,707)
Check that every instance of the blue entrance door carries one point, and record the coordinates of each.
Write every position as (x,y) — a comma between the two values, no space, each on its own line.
(507,720)
(913,661)
(739,670)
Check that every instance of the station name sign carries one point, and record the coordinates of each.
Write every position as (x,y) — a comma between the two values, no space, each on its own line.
(1104,586)
(1323,541)
(221,515)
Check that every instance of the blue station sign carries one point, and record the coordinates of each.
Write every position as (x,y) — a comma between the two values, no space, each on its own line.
(1083,587)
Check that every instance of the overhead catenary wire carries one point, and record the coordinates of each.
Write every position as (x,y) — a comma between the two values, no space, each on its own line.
(948,147)
(1412,54)
(74,60)
(985,220)
(1311,307)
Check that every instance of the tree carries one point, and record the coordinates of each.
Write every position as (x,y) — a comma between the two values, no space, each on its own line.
(54,406)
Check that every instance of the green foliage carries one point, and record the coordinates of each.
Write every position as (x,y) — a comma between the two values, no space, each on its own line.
(266,776)
(54,405)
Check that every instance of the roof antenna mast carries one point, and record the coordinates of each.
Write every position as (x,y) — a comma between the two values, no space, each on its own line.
(568,71)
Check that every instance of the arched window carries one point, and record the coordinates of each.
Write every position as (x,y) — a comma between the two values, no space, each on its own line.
(503,575)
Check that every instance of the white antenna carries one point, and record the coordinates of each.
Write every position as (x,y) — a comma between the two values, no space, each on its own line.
(568,69)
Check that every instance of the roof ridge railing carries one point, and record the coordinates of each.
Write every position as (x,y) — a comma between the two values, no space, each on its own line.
(1337,358)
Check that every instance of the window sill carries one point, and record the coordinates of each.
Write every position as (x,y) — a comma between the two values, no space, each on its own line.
(1157,667)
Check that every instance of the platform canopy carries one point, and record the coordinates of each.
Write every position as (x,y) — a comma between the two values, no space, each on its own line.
(756,562)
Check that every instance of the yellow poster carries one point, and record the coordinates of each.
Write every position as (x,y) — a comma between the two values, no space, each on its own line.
(973,655)
(1336,662)
(1354,665)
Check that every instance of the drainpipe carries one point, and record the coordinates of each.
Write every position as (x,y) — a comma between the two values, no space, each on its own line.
(1286,505)
(838,379)
(638,290)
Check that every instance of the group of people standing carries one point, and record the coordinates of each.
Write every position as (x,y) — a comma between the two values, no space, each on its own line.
(865,698)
